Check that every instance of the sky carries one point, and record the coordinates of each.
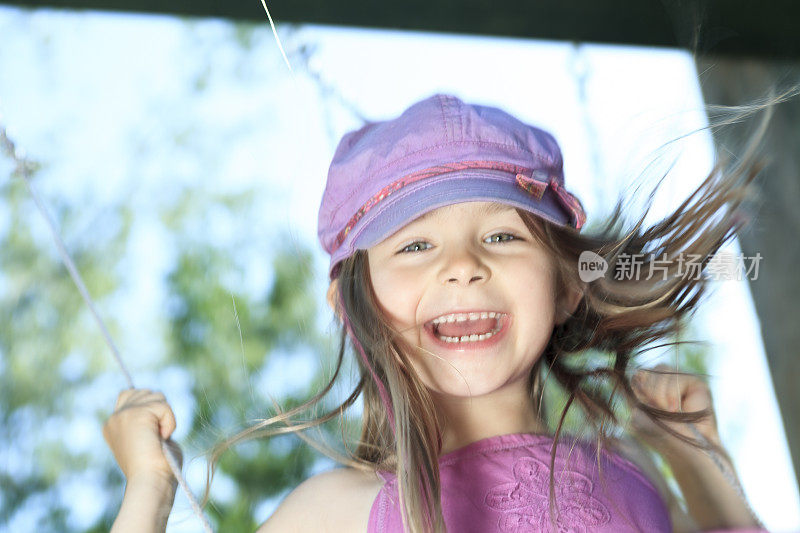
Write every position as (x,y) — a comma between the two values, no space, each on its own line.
(73,86)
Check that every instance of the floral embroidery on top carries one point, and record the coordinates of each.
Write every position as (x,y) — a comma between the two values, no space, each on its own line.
(524,502)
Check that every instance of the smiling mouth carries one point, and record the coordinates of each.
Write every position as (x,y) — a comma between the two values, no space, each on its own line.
(463,328)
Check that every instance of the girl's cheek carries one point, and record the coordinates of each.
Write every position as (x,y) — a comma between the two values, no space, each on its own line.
(395,278)
(390,285)
(399,293)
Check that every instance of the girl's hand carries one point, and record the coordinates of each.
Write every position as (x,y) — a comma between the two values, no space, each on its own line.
(676,393)
(134,432)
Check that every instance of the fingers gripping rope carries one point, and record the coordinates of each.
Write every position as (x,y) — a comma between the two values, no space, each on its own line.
(23,168)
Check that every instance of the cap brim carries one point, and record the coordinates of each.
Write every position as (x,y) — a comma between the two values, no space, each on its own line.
(416,199)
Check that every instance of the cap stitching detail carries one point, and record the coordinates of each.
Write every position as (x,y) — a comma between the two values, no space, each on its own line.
(444,117)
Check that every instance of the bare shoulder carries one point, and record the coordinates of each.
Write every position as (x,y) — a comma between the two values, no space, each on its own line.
(631,449)
(337,500)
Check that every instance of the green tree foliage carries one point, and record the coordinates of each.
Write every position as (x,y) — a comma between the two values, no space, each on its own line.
(51,354)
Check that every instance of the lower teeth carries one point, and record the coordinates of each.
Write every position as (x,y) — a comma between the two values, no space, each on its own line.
(469,338)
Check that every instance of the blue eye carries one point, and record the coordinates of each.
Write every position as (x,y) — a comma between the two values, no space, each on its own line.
(418,246)
(499,237)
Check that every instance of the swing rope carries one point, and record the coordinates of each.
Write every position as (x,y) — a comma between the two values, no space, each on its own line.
(23,168)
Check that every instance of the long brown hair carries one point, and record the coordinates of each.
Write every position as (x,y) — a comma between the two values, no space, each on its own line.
(615,316)
(619,316)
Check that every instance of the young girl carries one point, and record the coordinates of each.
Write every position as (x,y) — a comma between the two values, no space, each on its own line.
(456,271)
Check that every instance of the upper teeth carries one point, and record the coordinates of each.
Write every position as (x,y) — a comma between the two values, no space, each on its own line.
(463,317)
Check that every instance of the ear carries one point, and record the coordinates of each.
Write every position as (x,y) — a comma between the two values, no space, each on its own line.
(568,303)
(333,296)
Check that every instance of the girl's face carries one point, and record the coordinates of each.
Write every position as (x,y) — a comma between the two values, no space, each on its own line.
(471,287)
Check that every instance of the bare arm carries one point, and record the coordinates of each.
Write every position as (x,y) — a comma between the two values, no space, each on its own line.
(713,502)
(145,506)
(710,498)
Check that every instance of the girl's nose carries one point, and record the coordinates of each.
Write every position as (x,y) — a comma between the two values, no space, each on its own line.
(463,267)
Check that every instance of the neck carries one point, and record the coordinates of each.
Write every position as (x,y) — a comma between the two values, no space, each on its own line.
(466,420)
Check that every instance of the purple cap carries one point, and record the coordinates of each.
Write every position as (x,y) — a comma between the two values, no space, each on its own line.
(440,151)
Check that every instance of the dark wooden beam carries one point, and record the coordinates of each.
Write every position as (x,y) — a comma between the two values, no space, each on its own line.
(773,234)
(731,27)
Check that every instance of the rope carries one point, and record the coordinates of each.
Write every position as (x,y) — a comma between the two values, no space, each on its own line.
(277,39)
(23,168)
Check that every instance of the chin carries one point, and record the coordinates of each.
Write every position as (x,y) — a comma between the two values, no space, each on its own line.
(467,384)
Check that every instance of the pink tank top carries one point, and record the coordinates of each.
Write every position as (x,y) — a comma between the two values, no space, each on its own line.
(500,484)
